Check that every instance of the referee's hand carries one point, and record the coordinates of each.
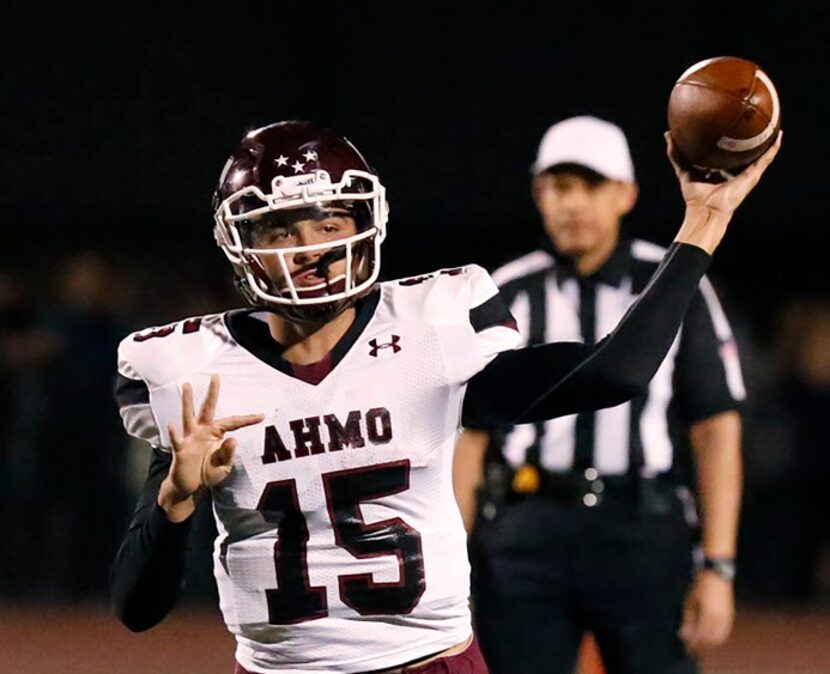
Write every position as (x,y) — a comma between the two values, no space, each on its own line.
(708,612)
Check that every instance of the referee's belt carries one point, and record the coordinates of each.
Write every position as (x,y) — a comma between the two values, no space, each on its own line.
(587,487)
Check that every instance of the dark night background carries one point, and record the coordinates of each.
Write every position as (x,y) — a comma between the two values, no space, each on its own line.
(117,119)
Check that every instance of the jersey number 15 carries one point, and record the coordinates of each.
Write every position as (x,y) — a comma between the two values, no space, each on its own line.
(296,600)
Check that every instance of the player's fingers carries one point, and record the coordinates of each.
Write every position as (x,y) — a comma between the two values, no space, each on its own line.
(748,179)
(669,143)
(670,149)
(175,437)
(188,416)
(208,408)
(754,172)
(219,464)
(224,455)
(672,155)
(228,424)
(766,159)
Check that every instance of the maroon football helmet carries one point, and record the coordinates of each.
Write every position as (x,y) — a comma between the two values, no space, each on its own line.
(289,166)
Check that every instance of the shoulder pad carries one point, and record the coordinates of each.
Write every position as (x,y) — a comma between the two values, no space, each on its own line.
(445,294)
(162,354)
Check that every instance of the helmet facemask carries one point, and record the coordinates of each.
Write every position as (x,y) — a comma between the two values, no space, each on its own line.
(241,218)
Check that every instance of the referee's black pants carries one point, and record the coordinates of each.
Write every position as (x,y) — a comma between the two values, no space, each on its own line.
(545,572)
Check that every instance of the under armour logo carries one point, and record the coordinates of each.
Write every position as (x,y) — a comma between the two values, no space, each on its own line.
(377,347)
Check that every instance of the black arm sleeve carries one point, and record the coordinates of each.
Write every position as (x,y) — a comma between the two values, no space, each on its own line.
(147,573)
(553,380)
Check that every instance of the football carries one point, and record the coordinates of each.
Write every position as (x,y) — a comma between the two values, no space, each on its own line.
(723,114)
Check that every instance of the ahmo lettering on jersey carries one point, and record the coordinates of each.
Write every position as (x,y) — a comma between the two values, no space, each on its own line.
(327,433)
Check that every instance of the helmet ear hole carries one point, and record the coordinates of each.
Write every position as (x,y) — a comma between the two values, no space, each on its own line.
(361,261)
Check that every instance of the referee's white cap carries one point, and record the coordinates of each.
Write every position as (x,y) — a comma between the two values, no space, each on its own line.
(586,141)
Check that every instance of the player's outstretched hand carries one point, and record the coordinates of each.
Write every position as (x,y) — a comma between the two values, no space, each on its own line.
(709,206)
(202,452)
(722,197)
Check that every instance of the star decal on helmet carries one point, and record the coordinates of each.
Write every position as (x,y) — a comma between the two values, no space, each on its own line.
(311,155)
(282,160)
(297,166)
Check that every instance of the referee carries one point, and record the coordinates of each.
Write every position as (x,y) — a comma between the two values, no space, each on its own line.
(584,523)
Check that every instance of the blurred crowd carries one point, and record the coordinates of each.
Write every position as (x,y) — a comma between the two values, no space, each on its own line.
(70,475)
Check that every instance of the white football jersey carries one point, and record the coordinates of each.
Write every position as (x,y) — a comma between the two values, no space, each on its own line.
(340,546)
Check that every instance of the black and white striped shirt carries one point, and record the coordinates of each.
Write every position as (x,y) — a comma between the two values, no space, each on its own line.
(700,376)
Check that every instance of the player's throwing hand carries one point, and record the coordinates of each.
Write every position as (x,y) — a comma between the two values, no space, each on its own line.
(709,207)
(721,197)
(202,454)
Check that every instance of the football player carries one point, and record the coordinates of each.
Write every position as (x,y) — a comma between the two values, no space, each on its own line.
(328,450)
